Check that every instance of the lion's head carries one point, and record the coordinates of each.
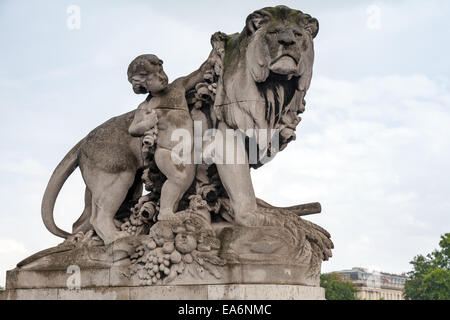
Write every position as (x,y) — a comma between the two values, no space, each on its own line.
(267,71)
(279,40)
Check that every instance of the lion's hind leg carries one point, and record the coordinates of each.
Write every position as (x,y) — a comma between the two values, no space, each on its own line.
(109,191)
(83,223)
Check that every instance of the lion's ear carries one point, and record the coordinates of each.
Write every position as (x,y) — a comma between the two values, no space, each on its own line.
(258,58)
(310,24)
(256,20)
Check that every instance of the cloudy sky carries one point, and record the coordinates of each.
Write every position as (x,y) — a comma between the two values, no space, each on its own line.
(373,146)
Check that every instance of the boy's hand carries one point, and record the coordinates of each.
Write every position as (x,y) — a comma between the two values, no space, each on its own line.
(151,119)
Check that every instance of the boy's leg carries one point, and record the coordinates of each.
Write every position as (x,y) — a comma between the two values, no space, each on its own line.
(179,179)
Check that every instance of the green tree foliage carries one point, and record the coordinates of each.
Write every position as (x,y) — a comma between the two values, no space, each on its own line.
(336,287)
(430,278)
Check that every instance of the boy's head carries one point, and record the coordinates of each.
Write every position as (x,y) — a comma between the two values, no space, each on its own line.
(146,74)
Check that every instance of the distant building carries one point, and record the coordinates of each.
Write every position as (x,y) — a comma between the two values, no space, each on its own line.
(376,285)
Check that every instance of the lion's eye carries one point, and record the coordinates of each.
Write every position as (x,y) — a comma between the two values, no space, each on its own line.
(297,34)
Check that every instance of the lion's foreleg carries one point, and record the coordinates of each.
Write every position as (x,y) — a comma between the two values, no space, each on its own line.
(234,172)
(238,185)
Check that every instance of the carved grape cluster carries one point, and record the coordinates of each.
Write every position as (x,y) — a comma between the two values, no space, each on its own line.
(154,264)
(204,93)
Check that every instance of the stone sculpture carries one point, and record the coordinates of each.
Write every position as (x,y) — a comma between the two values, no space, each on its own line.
(200,222)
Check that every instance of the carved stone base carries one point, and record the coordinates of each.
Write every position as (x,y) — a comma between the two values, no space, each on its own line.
(186,292)
(222,259)
(118,276)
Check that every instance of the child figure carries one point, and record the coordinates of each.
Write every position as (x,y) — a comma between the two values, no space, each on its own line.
(164,111)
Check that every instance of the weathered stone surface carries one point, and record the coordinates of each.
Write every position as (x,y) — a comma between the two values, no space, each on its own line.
(101,293)
(187,292)
(29,294)
(120,277)
(55,278)
(264,292)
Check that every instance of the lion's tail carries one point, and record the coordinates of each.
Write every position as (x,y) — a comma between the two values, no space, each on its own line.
(59,176)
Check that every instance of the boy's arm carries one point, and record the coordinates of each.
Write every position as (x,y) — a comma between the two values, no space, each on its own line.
(144,120)
(217,53)
(191,80)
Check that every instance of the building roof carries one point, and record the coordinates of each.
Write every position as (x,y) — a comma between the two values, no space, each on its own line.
(363,274)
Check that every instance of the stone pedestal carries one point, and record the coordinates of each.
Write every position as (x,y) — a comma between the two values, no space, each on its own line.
(240,282)
(259,263)
(182,292)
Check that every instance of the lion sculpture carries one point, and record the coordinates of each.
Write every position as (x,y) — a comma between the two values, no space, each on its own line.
(264,75)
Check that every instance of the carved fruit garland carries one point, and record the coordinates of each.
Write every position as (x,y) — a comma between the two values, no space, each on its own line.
(175,247)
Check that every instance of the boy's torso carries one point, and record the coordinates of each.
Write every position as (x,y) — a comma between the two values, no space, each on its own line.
(173,113)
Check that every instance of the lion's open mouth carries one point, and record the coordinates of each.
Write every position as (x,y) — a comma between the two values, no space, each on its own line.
(284,64)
